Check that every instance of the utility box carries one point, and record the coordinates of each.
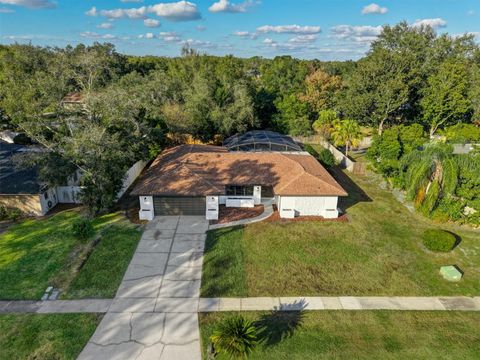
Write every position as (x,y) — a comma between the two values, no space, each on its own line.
(451,273)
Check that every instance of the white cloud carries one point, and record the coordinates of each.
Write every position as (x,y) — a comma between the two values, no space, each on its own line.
(289,29)
(303,39)
(227,6)
(94,35)
(269,41)
(148,35)
(356,33)
(434,23)
(201,28)
(92,12)
(105,25)
(6,11)
(170,36)
(199,43)
(133,13)
(245,35)
(177,11)
(32,4)
(152,23)
(374,9)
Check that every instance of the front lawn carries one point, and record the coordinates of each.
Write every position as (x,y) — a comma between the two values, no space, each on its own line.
(37,253)
(358,335)
(379,252)
(45,337)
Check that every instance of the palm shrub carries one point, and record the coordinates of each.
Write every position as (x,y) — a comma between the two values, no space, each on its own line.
(429,175)
(346,133)
(438,240)
(235,337)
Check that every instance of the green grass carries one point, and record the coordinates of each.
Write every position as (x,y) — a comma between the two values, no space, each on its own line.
(45,337)
(379,252)
(359,335)
(37,253)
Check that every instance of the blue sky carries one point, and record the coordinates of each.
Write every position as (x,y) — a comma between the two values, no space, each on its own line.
(322,29)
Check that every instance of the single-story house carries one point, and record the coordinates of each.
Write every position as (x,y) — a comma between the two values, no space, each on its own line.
(249,168)
(20,188)
(23,190)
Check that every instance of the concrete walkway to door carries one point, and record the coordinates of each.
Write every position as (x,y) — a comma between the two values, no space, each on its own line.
(154,313)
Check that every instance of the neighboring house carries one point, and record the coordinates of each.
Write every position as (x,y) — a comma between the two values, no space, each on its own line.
(256,166)
(21,188)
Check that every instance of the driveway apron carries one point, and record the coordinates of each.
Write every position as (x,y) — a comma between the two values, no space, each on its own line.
(154,313)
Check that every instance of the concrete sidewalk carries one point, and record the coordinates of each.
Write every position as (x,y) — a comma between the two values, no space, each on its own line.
(194,305)
(340,303)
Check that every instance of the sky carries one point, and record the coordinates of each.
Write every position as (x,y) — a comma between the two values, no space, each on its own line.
(307,29)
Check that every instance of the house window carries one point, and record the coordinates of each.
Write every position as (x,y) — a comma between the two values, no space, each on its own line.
(234,190)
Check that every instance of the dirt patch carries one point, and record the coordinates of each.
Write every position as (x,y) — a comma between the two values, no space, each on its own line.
(229,214)
(275,217)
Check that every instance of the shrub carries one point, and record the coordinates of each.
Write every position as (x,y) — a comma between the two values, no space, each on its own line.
(14,214)
(323,155)
(82,228)
(438,240)
(235,337)
(326,157)
(3,213)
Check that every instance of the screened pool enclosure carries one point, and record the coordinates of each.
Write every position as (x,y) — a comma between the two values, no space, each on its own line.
(261,140)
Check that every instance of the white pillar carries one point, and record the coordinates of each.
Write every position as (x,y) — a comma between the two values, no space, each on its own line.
(212,208)
(146,208)
(257,195)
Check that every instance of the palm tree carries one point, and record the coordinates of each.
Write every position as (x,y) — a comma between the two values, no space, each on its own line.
(346,132)
(235,337)
(429,175)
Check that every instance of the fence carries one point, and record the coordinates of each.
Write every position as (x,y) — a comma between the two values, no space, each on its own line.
(70,194)
(131,176)
(344,161)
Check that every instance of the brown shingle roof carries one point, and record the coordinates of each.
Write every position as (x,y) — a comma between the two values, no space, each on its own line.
(200,170)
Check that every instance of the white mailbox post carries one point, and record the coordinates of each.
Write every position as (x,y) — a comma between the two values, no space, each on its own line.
(212,208)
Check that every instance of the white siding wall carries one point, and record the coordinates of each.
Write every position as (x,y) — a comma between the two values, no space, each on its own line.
(50,201)
(290,206)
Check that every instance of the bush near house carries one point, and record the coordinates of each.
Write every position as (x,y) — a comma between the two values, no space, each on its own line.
(438,240)
(321,154)
(9,213)
(82,228)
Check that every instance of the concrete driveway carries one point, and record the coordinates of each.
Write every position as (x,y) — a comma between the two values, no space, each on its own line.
(154,313)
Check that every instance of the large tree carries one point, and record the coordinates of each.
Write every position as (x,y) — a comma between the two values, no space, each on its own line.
(377,91)
(321,90)
(445,99)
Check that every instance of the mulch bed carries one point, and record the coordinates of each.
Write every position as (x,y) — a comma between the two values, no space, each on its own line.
(275,217)
(229,214)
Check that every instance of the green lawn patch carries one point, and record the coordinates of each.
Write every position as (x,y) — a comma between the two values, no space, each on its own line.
(37,253)
(379,252)
(223,267)
(45,337)
(358,335)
